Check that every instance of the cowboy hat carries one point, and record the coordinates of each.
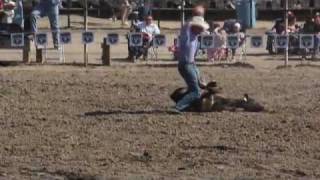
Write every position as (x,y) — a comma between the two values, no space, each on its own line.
(199,22)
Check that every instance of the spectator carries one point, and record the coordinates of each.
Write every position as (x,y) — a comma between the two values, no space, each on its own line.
(144,9)
(241,37)
(48,8)
(148,26)
(7,11)
(149,29)
(317,32)
(213,4)
(292,23)
(298,5)
(218,52)
(186,66)
(125,8)
(317,23)
(311,3)
(279,26)
(309,26)
(198,11)
(269,4)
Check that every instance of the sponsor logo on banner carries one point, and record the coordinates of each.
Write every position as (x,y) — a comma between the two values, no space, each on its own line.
(17,40)
(256,41)
(306,41)
(135,39)
(159,40)
(65,38)
(233,41)
(282,41)
(87,37)
(112,39)
(207,41)
(41,39)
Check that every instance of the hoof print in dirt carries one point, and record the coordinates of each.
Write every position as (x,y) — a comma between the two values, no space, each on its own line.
(212,100)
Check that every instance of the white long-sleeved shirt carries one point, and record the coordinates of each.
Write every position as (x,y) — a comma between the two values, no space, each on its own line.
(151,29)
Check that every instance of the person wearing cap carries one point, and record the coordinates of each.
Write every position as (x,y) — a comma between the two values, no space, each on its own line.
(48,8)
(187,50)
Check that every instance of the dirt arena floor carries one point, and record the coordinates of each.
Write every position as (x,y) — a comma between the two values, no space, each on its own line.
(70,122)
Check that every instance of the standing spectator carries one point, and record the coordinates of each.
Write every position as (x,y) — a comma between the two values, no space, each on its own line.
(218,52)
(187,51)
(298,5)
(269,4)
(125,9)
(7,11)
(241,37)
(48,8)
(292,22)
(144,9)
(317,32)
(317,23)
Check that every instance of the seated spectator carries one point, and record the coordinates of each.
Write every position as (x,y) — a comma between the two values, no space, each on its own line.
(219,50)
(148,29)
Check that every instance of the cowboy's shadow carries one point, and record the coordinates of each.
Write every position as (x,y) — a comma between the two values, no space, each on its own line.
(124,112)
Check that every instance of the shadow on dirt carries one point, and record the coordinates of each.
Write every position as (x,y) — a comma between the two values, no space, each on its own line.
(121,112)
(9,63)
(211,148)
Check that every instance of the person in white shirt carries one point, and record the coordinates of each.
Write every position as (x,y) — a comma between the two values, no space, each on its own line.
(148,29)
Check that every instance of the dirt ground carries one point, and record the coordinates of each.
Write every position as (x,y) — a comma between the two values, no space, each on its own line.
(71,122)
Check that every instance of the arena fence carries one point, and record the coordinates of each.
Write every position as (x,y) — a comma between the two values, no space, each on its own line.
(306,43)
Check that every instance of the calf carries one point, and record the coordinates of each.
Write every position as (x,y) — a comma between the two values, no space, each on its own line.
(212,100)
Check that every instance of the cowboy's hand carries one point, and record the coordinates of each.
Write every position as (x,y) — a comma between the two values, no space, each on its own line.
(202,83)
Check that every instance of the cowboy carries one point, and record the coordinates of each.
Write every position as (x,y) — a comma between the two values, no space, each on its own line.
(187,51)
(48,8)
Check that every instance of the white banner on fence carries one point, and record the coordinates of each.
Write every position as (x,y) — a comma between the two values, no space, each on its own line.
(159,40)
(65,38)
(112,39)
(282,41)
(207,41)
(87,37)
(233,41)
(256,41)
(41,40)
(135,39)
(17,40)
(306,41)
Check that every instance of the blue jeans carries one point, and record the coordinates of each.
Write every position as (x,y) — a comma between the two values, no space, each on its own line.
(190,74)
(52,11)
